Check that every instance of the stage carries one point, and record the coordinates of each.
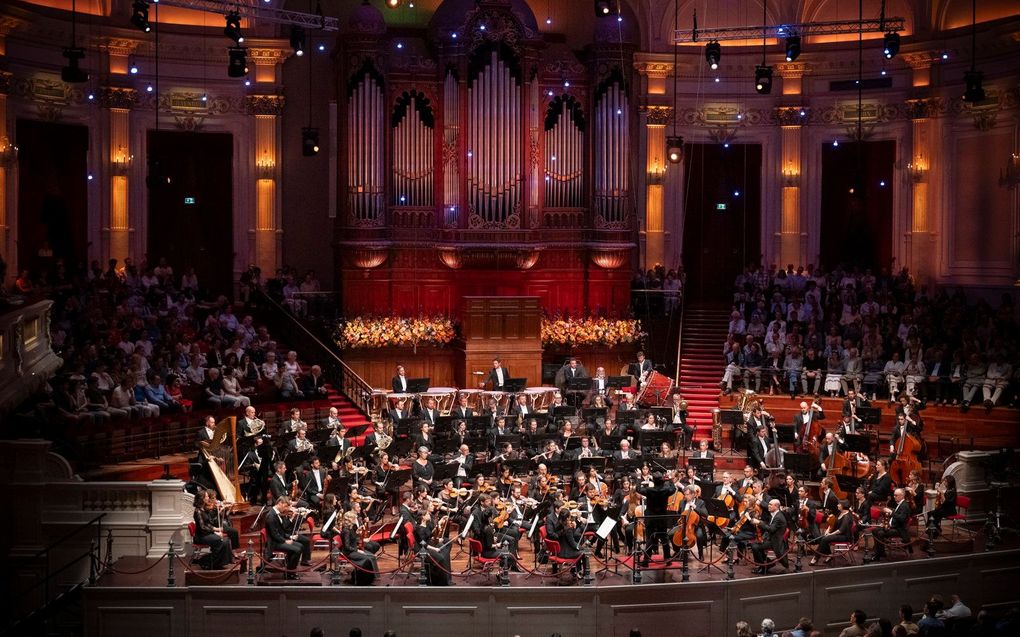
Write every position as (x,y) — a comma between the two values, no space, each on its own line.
(707,606)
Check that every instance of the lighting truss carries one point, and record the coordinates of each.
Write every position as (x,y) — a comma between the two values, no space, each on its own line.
(310,21)
(780,31)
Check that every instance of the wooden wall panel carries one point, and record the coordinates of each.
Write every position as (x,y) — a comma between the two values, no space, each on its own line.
(223,620)
(114,621)
(338,620)
(696,618)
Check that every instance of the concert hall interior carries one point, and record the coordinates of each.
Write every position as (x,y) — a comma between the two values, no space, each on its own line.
(510,317)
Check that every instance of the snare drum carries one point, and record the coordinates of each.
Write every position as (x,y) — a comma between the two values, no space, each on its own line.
(444,396)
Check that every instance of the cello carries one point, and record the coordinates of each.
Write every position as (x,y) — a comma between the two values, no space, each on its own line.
(685,533)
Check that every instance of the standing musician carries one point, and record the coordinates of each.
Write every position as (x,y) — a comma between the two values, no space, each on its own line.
(757,449)
(281,530)
(212,529)
(905,425)
(365,564)
(840,531)
(259,459)
(899,515)
(773,536)
(642,368)
(804,429)
(498,375)
(399,382)
(827,451)
(314,484)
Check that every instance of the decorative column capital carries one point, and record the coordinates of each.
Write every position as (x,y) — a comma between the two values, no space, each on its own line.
(118,97)
(652,69)
(264,104)
(658,115)
(792,115)
(919,60)
(266,55)
(923,108)
(116,46)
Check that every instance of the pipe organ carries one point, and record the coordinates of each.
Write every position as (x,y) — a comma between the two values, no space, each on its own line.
(612,154)
(451,158)
(494,182)
(564,154)
(366,130)
(413,130)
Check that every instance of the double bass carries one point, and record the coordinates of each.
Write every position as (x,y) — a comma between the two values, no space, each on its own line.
(907,448)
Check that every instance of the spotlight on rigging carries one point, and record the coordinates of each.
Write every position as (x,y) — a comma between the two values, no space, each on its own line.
(890,45)
(233,28)
(309,141)
(792,48)
(763,79)
(603,8)
(73,73)
(974,92)
(297,40)
(713,53)
(140,16)
(393,4)
(237,63)
(675,149)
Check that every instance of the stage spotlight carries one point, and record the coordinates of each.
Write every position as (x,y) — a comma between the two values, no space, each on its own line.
(233,28)
(237,65)
(140,16)
(309,141)
(763,79)
(890,45)
(974,92)
(603,8)
(713,53)
(393,4)
(73,73)
(297,40)
(792,48)
(675,149)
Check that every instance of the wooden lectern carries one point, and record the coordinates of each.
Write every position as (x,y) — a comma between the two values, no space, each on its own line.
(504,327)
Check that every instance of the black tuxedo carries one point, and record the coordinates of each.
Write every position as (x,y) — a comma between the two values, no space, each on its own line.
(429,416)
(859,403)
(397,415)
(756,453)
(398,386)
(897,528)
(494,379)
(311,489)
(829,501)
(800,423)
(708,454)
(618,455)
(278,529)
(339,443)
(279,486)
(824,453)
(462,412)
(773,532)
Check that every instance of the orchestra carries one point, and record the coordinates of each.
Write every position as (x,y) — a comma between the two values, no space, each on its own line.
(429,476)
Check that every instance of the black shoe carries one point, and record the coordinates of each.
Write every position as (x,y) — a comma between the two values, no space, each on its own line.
(290,576)
(306,563)
(758,571)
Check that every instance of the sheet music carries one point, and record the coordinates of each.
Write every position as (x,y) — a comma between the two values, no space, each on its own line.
(606,528)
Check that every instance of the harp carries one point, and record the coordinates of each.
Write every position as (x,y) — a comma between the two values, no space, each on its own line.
(224,438)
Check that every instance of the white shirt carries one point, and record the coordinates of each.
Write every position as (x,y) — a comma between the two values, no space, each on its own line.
(403,382)
(499,375)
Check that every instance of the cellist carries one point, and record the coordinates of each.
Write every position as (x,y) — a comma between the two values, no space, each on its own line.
(693,504)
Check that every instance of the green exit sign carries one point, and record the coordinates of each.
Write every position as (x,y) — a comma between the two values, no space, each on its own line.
(189,201)
(720,206)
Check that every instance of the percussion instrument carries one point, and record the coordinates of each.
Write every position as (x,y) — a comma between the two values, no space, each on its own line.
(378,405)
(474,399)
(541,397)
(445,398)
(502,399)
(655,390)
(394,397)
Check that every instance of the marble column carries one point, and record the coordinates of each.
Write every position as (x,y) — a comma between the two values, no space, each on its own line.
(267,230)
(654,72)
(790,235)
(920,238)
(117,222)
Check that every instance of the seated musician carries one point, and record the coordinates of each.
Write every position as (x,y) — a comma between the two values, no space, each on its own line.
(552,452)
(333,420)
(279,486)
(585,450)
(300,443)
(828,496)
(881,483)
(314,483)
(862,507)
(422,470)
(462,410)
(694,503)
(360,508)
(666,451)
(625,403)
(740,530)
(807,512)
(566,434)
(466,461)
(691,477)
(280,528)
(624,452)
(773,526)
(400,411)
(945,505)
(570,536)
(649,423)
(541,471)
(365,564)
(899,517)
(747,482)
(607,431)
(429,413)
(786,493)
(295,423)
(915,491)
(703,451)
(337,439)
(212,529)
(853,404)
(840,531)
(521,409)
(424,437)
(330,505)
(501,428)
(600,389)
(437,566)
(573,369)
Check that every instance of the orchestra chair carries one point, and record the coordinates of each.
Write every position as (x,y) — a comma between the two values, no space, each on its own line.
(267,554)
(318,542)
(895,544)
(201,551)
(552,547)
(959,519)
(488,564)
(845,550)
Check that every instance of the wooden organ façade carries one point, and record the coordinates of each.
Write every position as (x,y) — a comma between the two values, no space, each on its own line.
(481,159)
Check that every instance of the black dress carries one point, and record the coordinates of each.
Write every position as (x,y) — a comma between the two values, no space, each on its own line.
(946,509)
(421,472)
(219,547)
(364,563)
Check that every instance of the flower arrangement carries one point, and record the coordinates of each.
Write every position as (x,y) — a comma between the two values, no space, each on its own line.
(391,331)
(590,331)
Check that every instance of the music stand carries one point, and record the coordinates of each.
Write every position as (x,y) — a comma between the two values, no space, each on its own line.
(515,385)
(652,438)
(487,469)
(716,509)
(618,382)
(627,466)
(339,485)
(785,434)
(736,419)
(869,415)
(521,466)
(579,384)
(704,467)
(417,385)
(445,470)
(856,442)
(396,479)
(407,426)
(599,462)
(445,445)
(800,464)
(561,467)
(479,423)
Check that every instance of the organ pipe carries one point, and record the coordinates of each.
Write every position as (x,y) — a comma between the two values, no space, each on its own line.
(564,144)
(412,156)
(494,129)
(612,144)
(365,134)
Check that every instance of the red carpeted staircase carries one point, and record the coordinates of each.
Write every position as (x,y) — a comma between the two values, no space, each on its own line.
(701,363)
(349,413)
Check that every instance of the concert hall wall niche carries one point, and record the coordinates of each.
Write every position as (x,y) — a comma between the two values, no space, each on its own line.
(480,159)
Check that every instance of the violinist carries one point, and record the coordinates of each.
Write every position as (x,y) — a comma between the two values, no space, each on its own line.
(279,486)
(773,527)
(314,484)
(915,491)
(212,530)
(786,493)
(365,564)
(280,528)
(881,484)
(806,512)
(422,471)
(829,499)
(624,502)
(740,530)
(541,475)
(656,492)
(569,537)
(945,503)
(840,531)
(386,490)
(330,505)
(862,507)
(358,507)
(437,566)
(553,524)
